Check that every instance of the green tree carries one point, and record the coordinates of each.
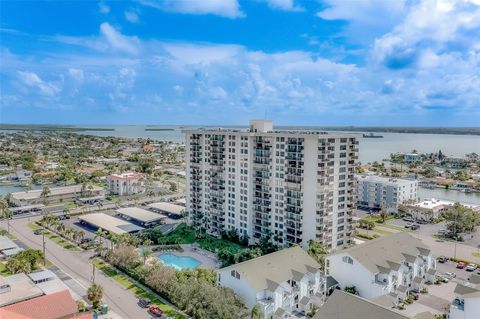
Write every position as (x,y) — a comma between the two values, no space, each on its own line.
(460,219)
(318,252)
(256,312)
(95,295)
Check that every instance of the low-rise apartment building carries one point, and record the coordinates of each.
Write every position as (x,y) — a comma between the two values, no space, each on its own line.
(344,305)
(374,191)
(431,208)
(466,304)
(411,158)
(125,184)
(62,193)
(284,282)
(391,264)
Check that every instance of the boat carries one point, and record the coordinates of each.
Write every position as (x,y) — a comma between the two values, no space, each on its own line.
(371,135)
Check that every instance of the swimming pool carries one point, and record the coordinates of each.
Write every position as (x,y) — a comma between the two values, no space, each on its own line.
(178,262)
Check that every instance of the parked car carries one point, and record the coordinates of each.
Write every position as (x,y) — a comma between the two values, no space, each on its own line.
(154,310)
(442,259)
(408,225)
(408,219)
(415,226)
(38,231)
(461,265)
(471,267)
(444,279)
(144,302)
(450,274)
(86,240)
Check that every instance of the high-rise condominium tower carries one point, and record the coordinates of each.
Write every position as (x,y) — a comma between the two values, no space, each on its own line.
(289,186)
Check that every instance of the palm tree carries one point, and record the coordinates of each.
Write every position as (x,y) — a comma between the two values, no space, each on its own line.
(5,213)
(95,295)
(145,252)
(100,233)
(45,191)
(256,312)
(66,211)
(384,213)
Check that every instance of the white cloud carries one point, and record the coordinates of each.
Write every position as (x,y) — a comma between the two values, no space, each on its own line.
(365,19)
(103,8)
(285,5)
(118,41)
(131,16)
(32,80)
(76,74)
(224,8)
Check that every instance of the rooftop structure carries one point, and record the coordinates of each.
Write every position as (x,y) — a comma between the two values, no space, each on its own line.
(54,306)
(109,223)
(167,208)
(139,215)
(127,176)
(65,192)
(431,208)
(342,304)
(17,288)
(6,243)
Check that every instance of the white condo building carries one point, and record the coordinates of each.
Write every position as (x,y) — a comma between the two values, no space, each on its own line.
(282,284)
(391,265)
(374,191)
(125,184)
(291,186)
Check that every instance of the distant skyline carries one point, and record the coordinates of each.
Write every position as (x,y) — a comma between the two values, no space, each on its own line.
(322,63)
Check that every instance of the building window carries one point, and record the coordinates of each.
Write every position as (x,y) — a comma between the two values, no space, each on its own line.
(347,259)
(235,274)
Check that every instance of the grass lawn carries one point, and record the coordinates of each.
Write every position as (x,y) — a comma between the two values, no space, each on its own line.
(3,270)
(476,254)
(139,292)
(186,235)
(400,228)
(7,234)
(381,231)
(55,238)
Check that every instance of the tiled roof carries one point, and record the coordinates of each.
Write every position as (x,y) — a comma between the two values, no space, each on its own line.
(53,306)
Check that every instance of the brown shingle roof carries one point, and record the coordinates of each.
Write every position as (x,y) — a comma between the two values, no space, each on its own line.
(53,306)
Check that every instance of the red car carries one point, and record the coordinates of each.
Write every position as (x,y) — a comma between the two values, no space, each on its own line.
(461,265)
(154,310)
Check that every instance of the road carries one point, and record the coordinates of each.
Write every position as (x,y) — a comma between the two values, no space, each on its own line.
(77,265)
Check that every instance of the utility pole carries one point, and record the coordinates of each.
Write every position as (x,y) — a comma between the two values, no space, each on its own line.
(43,246)
(455,233)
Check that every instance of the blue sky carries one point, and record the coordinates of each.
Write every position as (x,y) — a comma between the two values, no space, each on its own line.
(331,62)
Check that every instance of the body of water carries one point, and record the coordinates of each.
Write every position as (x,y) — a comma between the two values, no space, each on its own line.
(440,193)
(370,149)
(178,262)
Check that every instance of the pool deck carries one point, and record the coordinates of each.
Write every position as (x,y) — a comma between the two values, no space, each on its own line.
(207,259)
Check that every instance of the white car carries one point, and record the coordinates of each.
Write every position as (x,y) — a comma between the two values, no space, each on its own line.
(471,267)
(450,274)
